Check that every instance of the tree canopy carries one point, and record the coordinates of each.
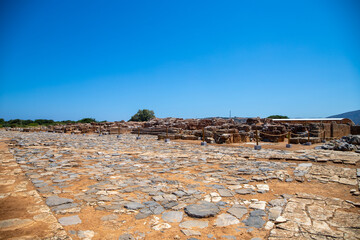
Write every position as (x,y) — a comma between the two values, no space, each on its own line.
(143,116)
(278,117)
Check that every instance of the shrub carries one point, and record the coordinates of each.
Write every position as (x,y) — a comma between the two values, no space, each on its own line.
(278,117)
(87,120)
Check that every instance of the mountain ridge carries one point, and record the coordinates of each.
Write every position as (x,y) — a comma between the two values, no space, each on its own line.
(353,115)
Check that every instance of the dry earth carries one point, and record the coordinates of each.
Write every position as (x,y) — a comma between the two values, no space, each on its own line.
(104,187)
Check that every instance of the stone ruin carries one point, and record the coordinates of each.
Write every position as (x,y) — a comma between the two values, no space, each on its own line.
(212,130)
(217,130)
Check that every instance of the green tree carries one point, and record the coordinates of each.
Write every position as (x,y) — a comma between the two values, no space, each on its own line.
(87,120)
(143,115)
(278,117)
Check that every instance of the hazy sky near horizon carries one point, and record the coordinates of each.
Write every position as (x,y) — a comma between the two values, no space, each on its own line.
(107,59)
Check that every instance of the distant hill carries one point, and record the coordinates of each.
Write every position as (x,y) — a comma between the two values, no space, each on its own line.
(354,116)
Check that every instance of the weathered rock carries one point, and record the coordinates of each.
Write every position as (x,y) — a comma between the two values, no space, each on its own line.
(88,234)
(256,222)
(274,213)
(109,217)
(258,205)
(237,211)
(225,193)
(189,232)
(225,219)
(55,201)
(72,220)
(126,236)
(15,223)
(244,191)
(263,187)
(134,205)
(269,225)
(202,210)
(161,226)
(172,216)
(194,224)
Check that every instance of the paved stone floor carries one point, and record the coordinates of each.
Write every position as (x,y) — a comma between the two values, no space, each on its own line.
(102,187)
(23,213)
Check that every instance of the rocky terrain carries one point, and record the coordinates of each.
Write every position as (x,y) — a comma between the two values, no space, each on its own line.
(62,186)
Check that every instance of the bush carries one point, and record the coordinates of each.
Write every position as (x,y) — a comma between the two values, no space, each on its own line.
(44,121)
(87,120)
(143,116)
(66,122)
(278,117)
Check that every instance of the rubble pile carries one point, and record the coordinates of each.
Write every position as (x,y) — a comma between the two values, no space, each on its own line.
(347,143)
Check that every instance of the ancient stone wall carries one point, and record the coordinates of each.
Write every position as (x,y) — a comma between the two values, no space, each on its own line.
(339,130)
(355,130)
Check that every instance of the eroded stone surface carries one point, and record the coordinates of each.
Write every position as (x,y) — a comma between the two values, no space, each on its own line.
(315,217)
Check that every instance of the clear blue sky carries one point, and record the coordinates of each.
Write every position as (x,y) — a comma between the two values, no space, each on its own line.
(107,59)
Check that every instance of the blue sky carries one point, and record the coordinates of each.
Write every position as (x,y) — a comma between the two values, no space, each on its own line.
(107,59)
